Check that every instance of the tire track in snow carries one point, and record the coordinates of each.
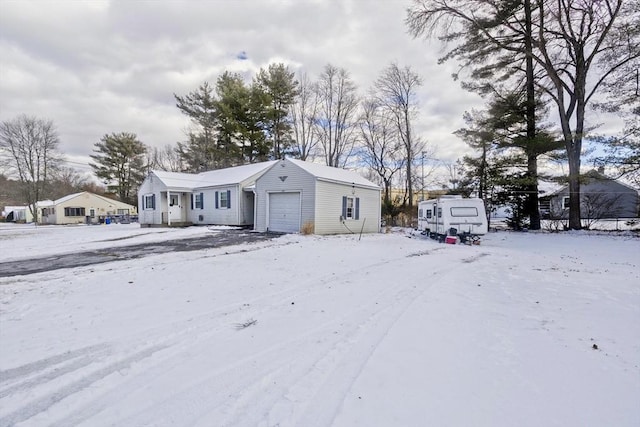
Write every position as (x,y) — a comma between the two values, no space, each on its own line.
(211,392)
(45,402)
(39,365)
(215,386)
(211,400)
(329,373)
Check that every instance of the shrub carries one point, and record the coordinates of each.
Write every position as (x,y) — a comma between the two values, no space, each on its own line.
(307,228)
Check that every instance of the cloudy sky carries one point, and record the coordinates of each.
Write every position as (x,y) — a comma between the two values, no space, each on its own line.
(100,66)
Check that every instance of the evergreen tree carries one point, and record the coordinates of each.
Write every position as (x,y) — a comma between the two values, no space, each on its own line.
(200,151)
(120,159)
(281,88)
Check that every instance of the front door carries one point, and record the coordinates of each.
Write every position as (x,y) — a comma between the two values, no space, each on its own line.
(175,207)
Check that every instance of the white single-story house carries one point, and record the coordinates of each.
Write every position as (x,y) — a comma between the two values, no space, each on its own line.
(218,197)
(82,208)
(277,196)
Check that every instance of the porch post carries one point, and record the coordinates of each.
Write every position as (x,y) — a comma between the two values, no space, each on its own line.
(169,208)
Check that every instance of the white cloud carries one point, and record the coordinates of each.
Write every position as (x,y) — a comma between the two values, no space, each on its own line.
(98,67)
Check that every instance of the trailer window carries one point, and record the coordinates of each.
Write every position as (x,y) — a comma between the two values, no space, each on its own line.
(428,213)
(439,212)
(420,213)
(464,211)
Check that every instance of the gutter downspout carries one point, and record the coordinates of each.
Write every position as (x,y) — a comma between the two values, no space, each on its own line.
(255,208)
(168,208)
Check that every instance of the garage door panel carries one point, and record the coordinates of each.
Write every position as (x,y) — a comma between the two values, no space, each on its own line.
(284,212)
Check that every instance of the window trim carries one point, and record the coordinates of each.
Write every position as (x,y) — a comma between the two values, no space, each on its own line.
(71,211)
(355,208)
(149,201)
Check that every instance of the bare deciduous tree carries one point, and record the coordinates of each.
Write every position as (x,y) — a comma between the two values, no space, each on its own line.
(303,116)
(396,91)
(30,148)
(166,158)
(336,119)
(382,150)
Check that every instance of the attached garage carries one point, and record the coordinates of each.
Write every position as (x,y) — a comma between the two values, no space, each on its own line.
(284,212)
(295,195)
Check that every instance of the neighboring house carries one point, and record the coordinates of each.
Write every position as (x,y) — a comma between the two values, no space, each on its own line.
(82,208)
(220,197)
(280,196)
(294,194)
(17,214)
(601,197)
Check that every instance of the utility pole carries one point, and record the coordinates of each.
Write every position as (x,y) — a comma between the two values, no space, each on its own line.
(422,170)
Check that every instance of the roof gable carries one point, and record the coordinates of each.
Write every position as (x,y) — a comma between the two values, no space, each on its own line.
(74,195)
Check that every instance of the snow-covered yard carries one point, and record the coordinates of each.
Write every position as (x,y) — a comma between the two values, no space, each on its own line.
(529,329)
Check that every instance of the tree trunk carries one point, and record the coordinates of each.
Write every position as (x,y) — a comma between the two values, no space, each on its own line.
(574,190)
(532,159)
(532,189)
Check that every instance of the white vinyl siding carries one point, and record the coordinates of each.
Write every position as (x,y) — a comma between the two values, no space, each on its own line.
(329,204)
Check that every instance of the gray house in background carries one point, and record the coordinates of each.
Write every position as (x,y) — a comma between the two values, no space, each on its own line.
(601,197)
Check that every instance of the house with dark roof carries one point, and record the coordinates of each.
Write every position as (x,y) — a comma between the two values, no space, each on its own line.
(601,197)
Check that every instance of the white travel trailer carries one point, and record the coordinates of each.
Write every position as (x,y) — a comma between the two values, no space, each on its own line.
(453,216)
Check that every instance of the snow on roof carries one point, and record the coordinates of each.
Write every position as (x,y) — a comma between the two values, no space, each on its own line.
(233,175)
(227,176)
(178,179)
(66,198)
(546,188)
(334,174)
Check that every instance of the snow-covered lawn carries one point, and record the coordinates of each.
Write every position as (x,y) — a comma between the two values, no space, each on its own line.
(529,329)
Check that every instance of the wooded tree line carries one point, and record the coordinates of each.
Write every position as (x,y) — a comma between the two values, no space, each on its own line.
(527,56)
(233,122)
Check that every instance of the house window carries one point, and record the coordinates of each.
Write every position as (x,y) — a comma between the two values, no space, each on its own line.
(350,207)
(198,201)
(149,201)
(565,202)
(122,212)
(92,213)
(428,212)
(73,211)
(223,199)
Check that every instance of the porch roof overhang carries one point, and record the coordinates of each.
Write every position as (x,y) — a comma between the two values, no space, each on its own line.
(177,190)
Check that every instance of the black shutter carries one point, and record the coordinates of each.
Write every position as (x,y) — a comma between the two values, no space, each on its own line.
(153,201)
(228,199)
(357,208)
(216,200)
(201,200)
(344,207)
(191,201)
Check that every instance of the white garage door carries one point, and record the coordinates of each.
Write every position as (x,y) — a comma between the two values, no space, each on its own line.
(284,212)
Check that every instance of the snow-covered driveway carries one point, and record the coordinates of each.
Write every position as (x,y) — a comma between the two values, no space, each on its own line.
(332,331)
